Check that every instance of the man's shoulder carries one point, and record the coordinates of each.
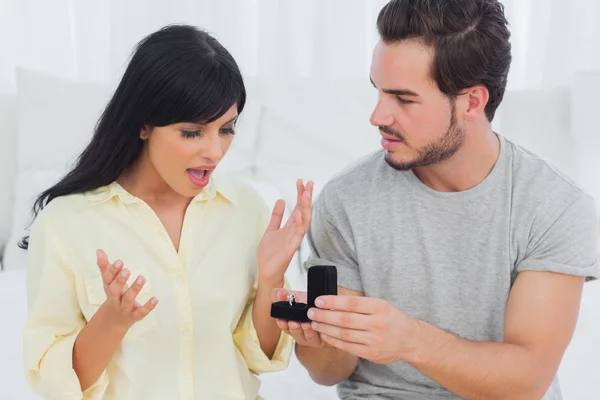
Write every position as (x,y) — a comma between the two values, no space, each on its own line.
(557,221)
(540,184)
(548,206)
(356,178)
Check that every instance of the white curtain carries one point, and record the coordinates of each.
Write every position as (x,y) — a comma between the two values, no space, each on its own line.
(553,40)
(91,41)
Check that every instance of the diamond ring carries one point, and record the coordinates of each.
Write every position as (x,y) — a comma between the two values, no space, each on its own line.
(291,298)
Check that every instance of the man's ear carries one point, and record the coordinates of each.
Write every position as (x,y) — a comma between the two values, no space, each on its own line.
(145,132)
(477,98)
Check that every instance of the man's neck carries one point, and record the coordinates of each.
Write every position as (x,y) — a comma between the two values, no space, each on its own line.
(468,167)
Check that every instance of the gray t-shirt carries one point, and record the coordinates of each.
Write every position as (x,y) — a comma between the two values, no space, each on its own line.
(449,259)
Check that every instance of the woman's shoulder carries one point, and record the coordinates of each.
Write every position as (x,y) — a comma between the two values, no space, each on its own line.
(63,206)
(68,208)
(58,216)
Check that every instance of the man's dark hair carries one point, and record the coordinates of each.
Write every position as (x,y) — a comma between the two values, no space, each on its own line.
(470,39)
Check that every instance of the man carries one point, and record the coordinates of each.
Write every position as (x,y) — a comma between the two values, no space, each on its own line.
(461,257)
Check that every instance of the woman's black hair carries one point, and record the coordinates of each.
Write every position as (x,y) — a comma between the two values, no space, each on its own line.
(177,74)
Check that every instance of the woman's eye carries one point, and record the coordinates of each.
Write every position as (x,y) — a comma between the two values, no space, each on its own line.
(193,134)
(190,134)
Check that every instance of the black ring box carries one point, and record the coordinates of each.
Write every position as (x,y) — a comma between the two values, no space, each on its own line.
(322,280)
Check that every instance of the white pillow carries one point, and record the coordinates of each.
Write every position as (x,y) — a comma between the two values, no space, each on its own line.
(13,308)
(585,131)
(538,119)
(8,164)
(28,186)
(56,119)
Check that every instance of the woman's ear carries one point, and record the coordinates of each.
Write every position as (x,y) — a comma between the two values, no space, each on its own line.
(145,132)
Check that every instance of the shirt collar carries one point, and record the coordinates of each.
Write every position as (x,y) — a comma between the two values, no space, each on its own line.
(217,185)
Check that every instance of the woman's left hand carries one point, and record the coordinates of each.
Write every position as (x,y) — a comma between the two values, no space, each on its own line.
(279,244)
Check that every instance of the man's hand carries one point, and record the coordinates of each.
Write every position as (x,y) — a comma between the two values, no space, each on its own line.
(369,328)
(302,333)
(325,364)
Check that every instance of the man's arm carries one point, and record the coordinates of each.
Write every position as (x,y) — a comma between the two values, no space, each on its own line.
(325,364)
(540,319)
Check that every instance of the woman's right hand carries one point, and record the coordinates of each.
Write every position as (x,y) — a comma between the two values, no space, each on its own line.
(303,333)
(121,306)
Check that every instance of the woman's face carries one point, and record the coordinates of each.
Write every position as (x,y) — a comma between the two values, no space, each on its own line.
(185,154)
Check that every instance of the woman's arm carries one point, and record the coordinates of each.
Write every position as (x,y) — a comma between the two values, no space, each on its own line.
(264,347)
(266,327)
(95,346)
(98,341)
(259,339)
(275,252)
(54,319)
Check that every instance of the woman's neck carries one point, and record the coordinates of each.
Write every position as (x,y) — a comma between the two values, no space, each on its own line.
(143,181)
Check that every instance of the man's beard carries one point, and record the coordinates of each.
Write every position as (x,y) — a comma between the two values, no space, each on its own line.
(432,153)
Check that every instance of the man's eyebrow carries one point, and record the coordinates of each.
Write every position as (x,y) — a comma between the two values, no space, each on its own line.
(396,92)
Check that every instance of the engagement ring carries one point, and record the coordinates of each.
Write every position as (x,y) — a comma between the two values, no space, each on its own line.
(291,298)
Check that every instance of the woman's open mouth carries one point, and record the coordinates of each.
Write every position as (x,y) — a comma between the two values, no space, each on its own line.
(199,176)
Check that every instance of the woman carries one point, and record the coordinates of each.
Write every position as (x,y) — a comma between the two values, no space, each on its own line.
(150,276)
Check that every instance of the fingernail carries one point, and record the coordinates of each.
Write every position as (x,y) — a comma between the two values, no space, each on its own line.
(153,300)
(311,314)
(314,325)
(319,302)
(124,273)
(117,264)
(139,280)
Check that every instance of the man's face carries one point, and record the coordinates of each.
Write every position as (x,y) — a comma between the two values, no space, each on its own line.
(418,123)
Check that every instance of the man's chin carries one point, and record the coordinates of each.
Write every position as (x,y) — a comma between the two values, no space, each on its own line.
(398,164)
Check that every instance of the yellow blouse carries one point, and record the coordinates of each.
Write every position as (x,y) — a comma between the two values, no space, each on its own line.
(198,343)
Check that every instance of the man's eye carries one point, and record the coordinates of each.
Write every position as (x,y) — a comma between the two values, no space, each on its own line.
(403,101)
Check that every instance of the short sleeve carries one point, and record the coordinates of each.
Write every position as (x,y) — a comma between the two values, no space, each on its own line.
(53,322)
(331,242)
(569,244)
